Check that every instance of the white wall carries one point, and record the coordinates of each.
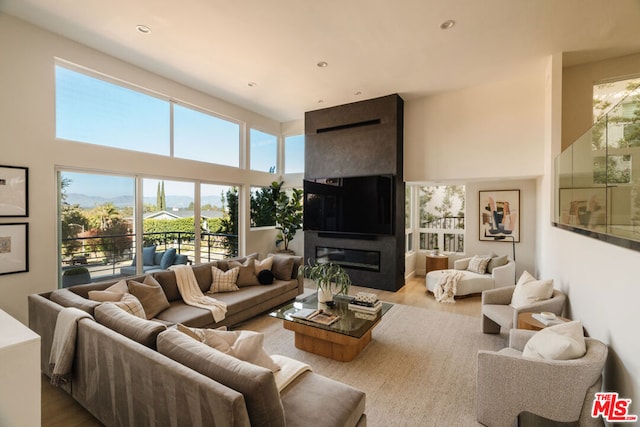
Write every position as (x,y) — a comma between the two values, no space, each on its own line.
(600,279)
(485,132)
(27,121)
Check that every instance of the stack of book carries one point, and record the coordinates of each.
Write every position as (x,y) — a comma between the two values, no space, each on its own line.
(365,303)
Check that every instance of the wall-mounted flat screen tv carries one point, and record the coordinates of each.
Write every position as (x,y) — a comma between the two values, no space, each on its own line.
(360,204)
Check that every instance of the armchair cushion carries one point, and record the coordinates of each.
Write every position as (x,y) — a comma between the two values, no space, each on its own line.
(529,290)
(564,341)
(478,264)
(497,261)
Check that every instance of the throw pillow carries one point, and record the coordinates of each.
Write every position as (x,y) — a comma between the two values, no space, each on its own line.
(113,293)
(478,264)
(282,267)
(150,294)
(246,272)
(224,281)
(131,304)
(564,341)
(244,345)
(529,290)
(265,264)
(265,277)
(496,261)
(167,258)
(148,255)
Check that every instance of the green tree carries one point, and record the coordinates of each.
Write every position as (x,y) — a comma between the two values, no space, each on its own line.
(288,213)
(229,222)
(262,207)
(161,200)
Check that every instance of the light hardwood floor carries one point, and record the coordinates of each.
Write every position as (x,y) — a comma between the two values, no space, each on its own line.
(60,410)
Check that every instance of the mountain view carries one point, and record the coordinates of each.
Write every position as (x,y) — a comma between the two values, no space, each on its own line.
(180,202)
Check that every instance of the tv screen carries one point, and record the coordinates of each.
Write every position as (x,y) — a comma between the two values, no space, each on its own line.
(362,204)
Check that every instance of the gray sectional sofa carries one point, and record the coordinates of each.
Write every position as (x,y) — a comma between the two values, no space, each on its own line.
(130,371)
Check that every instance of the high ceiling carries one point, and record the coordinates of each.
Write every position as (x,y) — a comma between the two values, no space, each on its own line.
(263,55)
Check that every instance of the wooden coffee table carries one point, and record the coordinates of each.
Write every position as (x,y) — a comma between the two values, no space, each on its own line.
(343,340)
(527,321)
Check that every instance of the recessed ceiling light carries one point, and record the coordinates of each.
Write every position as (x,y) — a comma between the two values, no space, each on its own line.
(449,23)
(358,93)
(252,84)
(143,29)
(322,64)
(320,101)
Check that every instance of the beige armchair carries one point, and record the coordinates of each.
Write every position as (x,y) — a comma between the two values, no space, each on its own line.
(508,384)
(497,313)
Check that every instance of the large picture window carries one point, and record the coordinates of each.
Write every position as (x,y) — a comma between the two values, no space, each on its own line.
(264,151)
(294,154)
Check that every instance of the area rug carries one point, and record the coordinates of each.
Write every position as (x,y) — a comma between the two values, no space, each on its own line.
(419,369)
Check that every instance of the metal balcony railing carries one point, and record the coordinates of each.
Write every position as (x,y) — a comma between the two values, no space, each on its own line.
(103,256)
(445,233)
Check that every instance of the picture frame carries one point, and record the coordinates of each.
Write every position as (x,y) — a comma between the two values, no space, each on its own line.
(14,248)
(499,215)
(14,189)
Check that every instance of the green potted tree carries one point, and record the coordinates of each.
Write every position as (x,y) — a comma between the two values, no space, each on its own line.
(329,278)
(75,276)
(288,214)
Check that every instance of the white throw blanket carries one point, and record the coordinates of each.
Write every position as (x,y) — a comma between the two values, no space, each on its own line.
(63,347)
(290,369)
(446,288)
(192,294)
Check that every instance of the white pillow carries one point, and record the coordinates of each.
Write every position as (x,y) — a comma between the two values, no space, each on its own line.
(265,264)
(529,290)
(564,341)
(244,345)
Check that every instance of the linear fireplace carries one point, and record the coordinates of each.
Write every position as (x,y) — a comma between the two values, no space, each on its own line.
(349,258)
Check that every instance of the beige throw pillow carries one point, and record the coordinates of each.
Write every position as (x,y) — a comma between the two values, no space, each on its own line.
(246,272)
(224,281)
(564,341)
(113,293)
(244,345)
(150,294)
(478,264)
(265,264)
(529,290)
(496,261)
(131,304)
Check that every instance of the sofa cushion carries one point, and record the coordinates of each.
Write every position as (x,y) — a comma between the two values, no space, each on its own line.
(529,290)
(179,312)
(167,258)
(246,272)
(478,264)
(282,259)
(224,281)
(257,384)
(265,264)
(564,341)
(245,345)
(148,255)
(131,304)
(150,294)
(265,277)
(67,298)
(142,331)
(105,296)
(496,261)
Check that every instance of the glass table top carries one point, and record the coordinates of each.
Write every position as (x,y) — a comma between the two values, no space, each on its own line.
(350,322)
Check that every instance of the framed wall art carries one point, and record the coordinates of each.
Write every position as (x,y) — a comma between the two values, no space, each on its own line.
(14,198)
(14,248)
(500,215)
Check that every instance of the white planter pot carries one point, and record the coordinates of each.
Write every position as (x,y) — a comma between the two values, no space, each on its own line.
(325,295)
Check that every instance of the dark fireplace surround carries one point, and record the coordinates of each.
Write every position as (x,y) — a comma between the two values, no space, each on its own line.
(360,139)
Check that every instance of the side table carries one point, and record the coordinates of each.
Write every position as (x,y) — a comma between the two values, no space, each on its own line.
(527,321)
(437,262)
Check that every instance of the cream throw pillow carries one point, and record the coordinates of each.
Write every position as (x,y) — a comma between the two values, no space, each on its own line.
(113,293)
(131,304)
(265,264)
(564,341)
(529,290)
(244,345)
(478,264)
(224,281)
